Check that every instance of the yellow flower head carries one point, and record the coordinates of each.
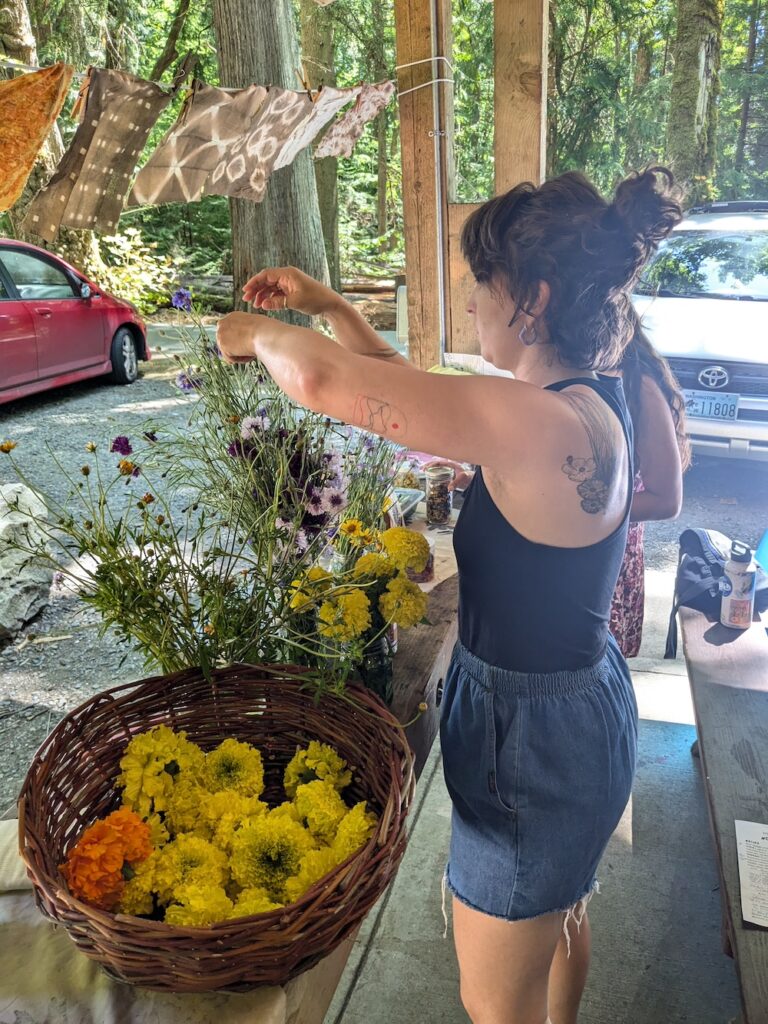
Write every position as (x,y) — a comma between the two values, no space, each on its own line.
(319,578)
(403,602)
(137,897)
(406,548)
(321,807)
(374,566)
(151,763)
(311,588)
(354,831)
(189,860)
(199,906)
(6,447)
(316,761)
(254,901)
(345,616)
(314,866)
(266,851)
(234,765)
(223,813)
(126,467)
(351,528)
(184,805)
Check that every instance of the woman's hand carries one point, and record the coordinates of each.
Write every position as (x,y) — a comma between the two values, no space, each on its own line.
(238,335)
(288,288)
(462,477)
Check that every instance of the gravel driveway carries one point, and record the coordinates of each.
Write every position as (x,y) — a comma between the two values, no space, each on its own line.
(59,660)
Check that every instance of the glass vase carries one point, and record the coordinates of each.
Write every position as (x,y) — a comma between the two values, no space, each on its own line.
(377,668)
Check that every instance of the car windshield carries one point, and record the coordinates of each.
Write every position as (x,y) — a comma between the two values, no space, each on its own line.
(709,264)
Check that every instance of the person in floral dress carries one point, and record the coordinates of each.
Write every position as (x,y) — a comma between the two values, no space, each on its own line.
(662,454)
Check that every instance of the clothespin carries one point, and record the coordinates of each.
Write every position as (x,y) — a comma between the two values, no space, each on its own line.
(305,83)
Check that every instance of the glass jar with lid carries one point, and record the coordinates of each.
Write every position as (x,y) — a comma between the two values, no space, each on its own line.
(439,494)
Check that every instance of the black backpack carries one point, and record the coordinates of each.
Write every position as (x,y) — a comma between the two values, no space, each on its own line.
(700,568)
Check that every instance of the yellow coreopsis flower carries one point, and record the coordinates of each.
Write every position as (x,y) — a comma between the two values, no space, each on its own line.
(316,761)
(406,548)
(345,616)
(403,602)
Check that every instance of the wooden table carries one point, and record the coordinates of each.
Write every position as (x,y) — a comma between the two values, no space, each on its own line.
(728,675)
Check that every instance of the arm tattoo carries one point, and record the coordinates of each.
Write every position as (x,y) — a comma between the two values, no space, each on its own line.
(593,476)
(377,416)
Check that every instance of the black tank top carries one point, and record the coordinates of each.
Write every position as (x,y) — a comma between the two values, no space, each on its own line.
(533,607)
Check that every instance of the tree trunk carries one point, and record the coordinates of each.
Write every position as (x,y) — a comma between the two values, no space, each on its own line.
(78,247)
(636,158)
(257,43)
(741,138)
(383,166)
(693,101)
(318,50)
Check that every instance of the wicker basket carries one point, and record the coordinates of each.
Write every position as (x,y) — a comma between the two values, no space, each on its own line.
(71,783)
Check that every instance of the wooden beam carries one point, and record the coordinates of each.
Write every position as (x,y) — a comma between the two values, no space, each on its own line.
(414,42)
(520,91)
(463,334)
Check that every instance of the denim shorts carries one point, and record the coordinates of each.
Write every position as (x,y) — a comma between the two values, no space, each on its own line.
(539,768)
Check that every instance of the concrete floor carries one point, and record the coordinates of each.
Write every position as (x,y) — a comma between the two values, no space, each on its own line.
(656,923)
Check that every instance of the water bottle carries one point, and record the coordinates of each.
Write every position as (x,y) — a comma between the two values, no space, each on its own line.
(738,588)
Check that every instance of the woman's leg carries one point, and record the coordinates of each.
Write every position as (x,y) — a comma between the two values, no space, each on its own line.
(504,965)
(568,974)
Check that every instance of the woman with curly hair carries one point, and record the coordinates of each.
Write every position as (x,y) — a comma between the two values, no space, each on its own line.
(538,719)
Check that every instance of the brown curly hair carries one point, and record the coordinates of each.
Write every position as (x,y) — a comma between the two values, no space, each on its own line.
(590,253)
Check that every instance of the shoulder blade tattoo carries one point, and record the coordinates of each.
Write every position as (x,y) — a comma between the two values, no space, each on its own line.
(378,416)
(594,475)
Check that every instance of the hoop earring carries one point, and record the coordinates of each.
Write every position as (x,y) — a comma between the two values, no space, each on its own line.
(528,335)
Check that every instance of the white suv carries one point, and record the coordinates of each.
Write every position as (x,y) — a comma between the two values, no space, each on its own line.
(703,300)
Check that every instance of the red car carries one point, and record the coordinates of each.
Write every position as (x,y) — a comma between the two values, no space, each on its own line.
(56,326)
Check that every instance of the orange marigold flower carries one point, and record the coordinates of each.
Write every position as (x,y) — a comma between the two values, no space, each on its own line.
(94,866)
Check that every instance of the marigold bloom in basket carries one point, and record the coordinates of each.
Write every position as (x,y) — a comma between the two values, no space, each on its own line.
(266,851)
(94,866)
(406,548)
(344,616)
(403,602)
(149,767)
(316,761)
(320,806)
(234,765)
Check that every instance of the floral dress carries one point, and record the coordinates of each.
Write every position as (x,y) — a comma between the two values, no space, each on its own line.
(629,597)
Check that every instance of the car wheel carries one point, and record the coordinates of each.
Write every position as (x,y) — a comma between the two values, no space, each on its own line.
(125,364)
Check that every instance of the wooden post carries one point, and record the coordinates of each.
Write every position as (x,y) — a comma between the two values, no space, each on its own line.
(520,91)
(414,42)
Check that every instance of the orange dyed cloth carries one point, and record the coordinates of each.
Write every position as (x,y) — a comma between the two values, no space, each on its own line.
(29,105)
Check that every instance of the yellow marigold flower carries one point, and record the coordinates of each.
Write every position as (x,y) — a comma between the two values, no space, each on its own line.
(159,834)
(137,897)
(234,765)
(374,566)
(319,577)
(316,761)
(354,831)
(321,807)
(268,850)
(254,901)
(345,616)
(403,602)
(314,866)
(287,810)
(189,860)
(7,447)
(150,764)
(406,548)
(300,599)
(184,805)
(223,813)
(199,906)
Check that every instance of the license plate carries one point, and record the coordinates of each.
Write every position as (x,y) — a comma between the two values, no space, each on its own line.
(707,405)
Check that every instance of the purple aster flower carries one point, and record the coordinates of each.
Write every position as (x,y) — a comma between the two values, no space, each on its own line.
(301,541)
(182,299)
(187,383)
(333,500)
(252,425)
(315,505)
(238,449)
(121,445)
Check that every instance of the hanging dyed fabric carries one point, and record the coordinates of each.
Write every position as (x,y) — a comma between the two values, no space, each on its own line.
(210,124)
(245,170)
(341,137)
(29,106)
(327,104)
(90,184)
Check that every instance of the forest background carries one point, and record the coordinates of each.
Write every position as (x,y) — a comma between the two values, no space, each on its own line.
(623,81)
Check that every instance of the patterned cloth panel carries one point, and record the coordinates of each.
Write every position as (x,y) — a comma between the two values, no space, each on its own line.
(29,106)
(89,186)
(211,123)
(341,137)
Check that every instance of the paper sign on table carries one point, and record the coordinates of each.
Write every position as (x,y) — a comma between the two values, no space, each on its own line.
(752,847)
